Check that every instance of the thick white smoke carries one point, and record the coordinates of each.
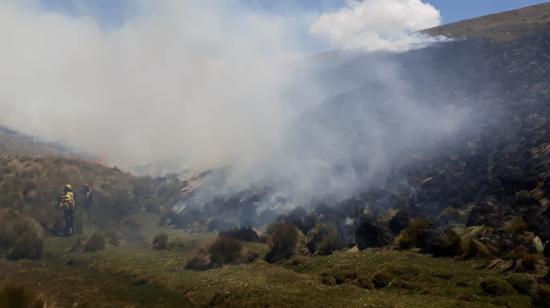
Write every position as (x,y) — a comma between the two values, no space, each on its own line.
(184,79)
(378,25)
(211,84)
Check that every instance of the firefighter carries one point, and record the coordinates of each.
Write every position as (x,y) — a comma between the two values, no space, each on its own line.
(68,203)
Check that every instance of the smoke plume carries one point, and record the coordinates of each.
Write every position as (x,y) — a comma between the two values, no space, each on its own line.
(378,25)
(214,85)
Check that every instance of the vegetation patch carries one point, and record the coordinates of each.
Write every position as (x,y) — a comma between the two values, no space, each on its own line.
(223,251)
(160,242)
(282,239)
(21,235)
(12,295)
(496,287)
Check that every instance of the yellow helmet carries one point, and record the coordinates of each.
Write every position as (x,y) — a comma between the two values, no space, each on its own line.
(68,186)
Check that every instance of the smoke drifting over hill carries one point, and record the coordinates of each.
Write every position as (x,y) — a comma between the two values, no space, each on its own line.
(215,85)
(378,25)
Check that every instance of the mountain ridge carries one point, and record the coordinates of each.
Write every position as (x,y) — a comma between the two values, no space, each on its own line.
(499,27)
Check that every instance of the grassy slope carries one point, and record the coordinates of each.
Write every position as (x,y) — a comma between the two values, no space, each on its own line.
(12,142)
(499,27)
(31,184)
(137,275)
(417,281)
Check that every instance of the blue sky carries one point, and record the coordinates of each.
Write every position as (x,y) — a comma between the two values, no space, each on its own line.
(113,12)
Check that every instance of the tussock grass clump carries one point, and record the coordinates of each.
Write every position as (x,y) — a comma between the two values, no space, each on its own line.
(226,250)
(524,261)
(160,242)
(15,296)
(323,239)
(21,235)
(372,234)
(522,283)
(445,244)
(517,224)
(410,236)
(223,251)
(282,241)
(496,287)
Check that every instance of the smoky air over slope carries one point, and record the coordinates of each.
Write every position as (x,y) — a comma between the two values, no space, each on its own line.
(220,87)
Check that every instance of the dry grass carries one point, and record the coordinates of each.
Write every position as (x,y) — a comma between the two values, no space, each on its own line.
(16,296)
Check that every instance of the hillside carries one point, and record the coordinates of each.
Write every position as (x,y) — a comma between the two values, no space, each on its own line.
(12,142)
(501,27)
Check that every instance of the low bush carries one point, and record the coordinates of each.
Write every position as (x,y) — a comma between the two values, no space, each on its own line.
(223,251)
(323,240)
(21,235)
(282,240)
(496,287)
(372,234)
(160,242)
(226,250)
(416,231)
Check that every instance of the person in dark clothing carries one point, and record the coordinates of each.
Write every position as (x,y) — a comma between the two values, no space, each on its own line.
(87,198)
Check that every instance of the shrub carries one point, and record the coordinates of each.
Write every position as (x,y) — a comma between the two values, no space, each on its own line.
(12,295)
(160,242)
(225,250)
(222,252)
(410,236)
(323,240)
(282,240)
(442,243)
(372,234)
(407,239)
(21,235)
(524,261)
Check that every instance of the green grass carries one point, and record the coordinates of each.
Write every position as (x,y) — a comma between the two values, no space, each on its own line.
(415,280)
(136,273)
